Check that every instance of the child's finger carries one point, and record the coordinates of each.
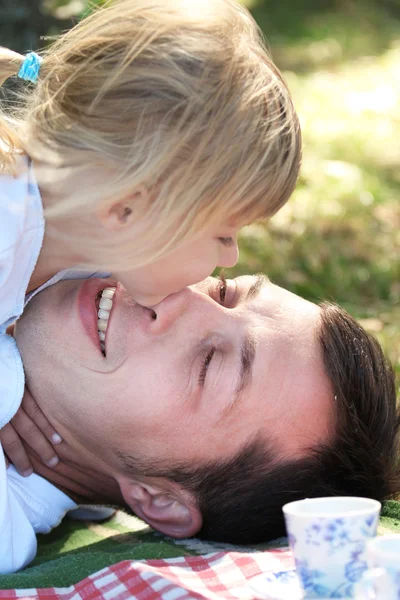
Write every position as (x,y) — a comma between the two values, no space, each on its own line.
(15,450)
(34,412)
(34,437)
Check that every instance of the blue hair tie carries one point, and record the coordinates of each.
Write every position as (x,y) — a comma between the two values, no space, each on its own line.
(30,67)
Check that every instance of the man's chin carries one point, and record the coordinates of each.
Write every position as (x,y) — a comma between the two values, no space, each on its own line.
(33,333)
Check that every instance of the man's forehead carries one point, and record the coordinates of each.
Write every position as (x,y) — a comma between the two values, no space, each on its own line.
(290,384)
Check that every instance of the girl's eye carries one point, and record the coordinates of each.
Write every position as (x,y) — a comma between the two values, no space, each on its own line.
(226,241)
(206,363)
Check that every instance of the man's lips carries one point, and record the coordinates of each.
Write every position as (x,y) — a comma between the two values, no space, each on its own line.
(87,306)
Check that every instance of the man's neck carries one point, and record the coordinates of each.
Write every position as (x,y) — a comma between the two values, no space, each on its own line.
(82,482)
(81,473)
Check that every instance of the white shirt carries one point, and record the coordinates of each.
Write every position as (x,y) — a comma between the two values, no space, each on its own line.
(28,505)
(21,238)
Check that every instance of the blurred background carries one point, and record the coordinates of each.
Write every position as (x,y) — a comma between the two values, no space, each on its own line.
(339,236)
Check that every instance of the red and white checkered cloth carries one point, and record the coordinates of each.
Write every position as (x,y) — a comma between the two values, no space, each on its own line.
(213,576)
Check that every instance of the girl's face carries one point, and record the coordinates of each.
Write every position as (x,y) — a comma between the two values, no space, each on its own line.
(190,262)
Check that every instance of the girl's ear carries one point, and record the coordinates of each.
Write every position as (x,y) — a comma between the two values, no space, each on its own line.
(165,506)
(119,216)
(115,215)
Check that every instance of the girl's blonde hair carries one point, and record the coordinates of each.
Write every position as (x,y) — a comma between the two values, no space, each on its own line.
(175,96)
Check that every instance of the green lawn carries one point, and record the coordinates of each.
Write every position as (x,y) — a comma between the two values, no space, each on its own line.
(338,238)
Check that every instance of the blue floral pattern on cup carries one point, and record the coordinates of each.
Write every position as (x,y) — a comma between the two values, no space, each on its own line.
(330,554)
(313,579)
(335,533)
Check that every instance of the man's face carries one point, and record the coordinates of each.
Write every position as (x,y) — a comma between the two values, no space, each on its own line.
(194,380)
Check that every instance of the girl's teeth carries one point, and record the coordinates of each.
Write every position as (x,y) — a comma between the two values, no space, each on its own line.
(106,303)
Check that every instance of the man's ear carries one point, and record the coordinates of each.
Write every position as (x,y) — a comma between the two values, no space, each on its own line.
(164,505)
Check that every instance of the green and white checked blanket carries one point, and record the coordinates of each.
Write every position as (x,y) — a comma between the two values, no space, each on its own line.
(76,549)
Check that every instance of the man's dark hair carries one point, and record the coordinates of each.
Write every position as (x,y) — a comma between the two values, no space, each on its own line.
(241,499)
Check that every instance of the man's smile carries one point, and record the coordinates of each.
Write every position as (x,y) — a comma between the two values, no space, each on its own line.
(95,305)
(104,304)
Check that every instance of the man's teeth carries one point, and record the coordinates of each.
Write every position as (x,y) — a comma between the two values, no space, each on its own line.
(106,304)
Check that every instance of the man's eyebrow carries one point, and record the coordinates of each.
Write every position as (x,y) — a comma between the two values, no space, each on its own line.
(247,356)
(248,345)
(255,287)
(247,348)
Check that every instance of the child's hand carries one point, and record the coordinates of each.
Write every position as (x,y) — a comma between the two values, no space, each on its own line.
(29,425)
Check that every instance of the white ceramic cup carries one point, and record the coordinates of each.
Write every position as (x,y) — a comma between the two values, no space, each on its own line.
(328,537)
(382,581)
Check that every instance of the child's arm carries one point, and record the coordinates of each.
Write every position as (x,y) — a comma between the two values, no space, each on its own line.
(29,426)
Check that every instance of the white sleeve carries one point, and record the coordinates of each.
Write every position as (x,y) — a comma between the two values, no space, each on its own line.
(17,537)
(21,238)
(12,274)
(12,379)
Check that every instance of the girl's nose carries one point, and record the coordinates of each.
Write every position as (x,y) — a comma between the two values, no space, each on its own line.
(169,310)
(228,256)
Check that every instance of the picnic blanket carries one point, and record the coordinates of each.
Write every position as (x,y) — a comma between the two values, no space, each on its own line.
(123,558)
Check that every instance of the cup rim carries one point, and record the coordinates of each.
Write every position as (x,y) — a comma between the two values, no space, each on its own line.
(291,508)
(373,545)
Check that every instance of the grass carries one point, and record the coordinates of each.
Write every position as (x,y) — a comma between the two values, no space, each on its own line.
(338,238)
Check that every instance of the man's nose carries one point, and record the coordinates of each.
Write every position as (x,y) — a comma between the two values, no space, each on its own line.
(169,310)
(229,256)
